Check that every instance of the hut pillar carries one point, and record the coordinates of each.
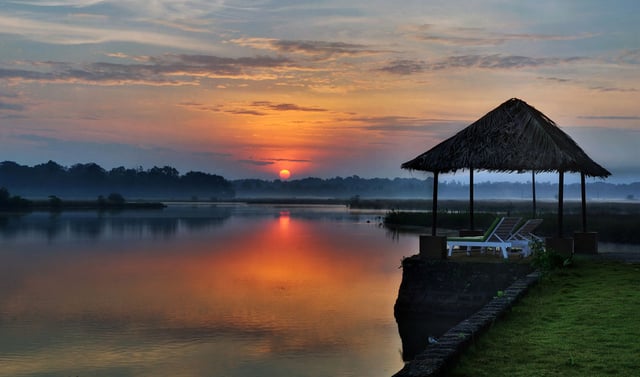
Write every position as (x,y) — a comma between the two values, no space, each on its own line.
(533,192)
(472,228)
(433,246)
(560,204)
(562,245)
(434,205)
(583,191)
(471,224)
(585,242)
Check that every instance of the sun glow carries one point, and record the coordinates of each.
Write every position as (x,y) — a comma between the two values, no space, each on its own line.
(285,174)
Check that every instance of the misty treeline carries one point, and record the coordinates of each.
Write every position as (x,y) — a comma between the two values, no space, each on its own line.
(355,186)
(90,180)
(337,187)
(544,190)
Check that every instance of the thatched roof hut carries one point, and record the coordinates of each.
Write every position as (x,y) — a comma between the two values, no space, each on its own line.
(514,137)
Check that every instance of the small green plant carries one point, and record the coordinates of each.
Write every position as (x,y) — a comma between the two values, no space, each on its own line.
(547,260)
(499,294)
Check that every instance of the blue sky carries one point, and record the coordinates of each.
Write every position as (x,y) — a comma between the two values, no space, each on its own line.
(322,88)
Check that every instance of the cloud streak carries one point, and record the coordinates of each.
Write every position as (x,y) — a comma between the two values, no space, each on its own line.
(320,50)
(599,88)
(288,160)
(270,161)
(69,34)
(493,62)
(629,57)
(286,107)
(166,70)
(474,37)
(256,162)
(613,89)
(609,117)
(12,106)
(256,108)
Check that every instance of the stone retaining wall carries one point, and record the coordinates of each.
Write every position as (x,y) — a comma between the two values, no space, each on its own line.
(432,289)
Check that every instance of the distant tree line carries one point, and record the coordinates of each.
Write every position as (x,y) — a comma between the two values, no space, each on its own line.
(354,186)
(337,187)
(90,180)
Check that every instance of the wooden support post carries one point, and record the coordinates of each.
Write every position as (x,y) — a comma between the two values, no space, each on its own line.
(560,204)
(434,204)
(533,192)
(584,202)
(471,224)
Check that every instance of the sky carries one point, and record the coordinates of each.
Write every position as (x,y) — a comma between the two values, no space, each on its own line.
(323,88)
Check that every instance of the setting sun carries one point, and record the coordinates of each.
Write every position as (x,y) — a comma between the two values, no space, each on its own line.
(285,174)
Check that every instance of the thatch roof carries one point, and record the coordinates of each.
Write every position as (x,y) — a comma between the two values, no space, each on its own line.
(514,137)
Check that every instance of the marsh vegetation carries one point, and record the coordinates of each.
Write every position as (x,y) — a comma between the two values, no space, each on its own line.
(615,222)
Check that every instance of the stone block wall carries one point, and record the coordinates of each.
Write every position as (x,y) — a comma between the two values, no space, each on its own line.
(435,295)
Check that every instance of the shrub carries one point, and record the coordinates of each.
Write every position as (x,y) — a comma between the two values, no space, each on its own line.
(55,202)
(547,260)
(115,198)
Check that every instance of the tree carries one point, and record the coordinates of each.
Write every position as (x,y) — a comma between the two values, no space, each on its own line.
(55,202)
(12,202)
(4,195)
(115,198)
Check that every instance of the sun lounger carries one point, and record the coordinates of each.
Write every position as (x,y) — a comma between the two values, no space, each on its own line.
(522,236)
(497,236)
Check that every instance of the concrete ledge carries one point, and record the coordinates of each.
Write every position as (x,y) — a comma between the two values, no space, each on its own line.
(563,246)
(585,242)
(437,358)
(433,247)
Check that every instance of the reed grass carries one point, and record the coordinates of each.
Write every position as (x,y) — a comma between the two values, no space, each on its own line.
(615,223)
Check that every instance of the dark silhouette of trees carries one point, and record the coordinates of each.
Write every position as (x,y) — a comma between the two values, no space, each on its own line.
(55,203)
(12,203)
(353,186)
(90,180)
(116,198)
(337,187)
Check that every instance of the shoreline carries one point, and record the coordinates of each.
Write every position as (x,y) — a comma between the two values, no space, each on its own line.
(81,205)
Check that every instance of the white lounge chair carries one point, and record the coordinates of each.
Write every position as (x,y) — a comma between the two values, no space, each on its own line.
(497,236)
(523,236)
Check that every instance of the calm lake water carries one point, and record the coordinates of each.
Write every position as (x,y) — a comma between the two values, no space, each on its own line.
(200,291)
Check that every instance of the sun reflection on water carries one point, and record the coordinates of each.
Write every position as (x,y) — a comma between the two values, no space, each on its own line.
(253,292)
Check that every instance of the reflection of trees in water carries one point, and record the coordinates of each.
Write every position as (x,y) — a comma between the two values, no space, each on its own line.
(161,223)
(94,224)
(140,227)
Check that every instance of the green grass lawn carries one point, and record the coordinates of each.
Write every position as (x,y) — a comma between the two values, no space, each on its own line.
(580,321)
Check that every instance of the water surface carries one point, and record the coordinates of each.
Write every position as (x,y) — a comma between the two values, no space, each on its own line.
(200,291)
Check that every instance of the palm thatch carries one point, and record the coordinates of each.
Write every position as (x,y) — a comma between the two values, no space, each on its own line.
(514,137)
